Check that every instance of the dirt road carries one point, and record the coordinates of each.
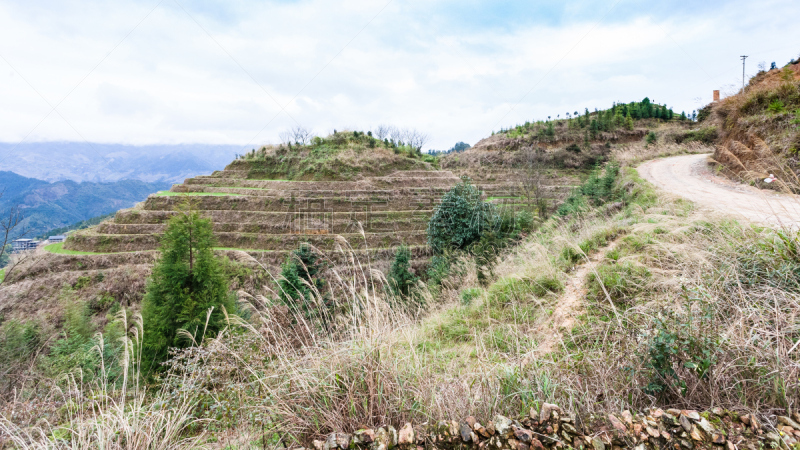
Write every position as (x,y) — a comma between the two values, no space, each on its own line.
(689,177)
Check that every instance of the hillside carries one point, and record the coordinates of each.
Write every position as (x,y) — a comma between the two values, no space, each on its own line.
(651,321)
(759,129)
(46,206)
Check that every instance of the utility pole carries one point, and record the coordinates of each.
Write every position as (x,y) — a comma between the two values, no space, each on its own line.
(743,58)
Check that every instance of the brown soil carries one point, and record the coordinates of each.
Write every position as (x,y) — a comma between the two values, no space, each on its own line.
(570,303)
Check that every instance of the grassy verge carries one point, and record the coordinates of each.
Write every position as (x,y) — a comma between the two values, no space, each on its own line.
(58,248)
(2,275)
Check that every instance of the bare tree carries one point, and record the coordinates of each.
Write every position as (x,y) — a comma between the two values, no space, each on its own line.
(416,139)
(9,222)
(297,135)
(533,180)
(382,131)
(396,134)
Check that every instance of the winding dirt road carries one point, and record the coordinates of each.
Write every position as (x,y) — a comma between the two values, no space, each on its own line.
(689,177)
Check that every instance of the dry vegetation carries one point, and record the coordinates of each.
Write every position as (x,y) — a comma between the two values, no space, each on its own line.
(680,307)
(758,129)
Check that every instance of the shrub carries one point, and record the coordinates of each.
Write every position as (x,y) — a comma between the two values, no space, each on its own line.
(777,107)
(574,148)
(401,280)
(596,190)
(438,269)
(470,294)
(650,138)
(705,135)
(461,218)
(82,282)
(18,341)
(507,291)
(546,284)
(683,351)
(301,286)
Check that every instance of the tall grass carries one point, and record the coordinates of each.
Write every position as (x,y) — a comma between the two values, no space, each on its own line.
(709,320)
(108,415)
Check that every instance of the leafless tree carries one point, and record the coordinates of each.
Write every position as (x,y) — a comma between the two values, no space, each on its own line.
(297,135)
(416,139)
(533,179)
(9,227)
(382,131)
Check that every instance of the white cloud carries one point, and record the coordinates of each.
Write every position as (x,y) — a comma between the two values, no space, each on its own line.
(330,65)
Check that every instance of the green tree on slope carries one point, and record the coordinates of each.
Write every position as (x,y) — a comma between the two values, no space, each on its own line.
(401,280)
(185,284)
(301,286)
(461,218)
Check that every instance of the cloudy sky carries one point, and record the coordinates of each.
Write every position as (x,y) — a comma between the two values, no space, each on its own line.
(240,72)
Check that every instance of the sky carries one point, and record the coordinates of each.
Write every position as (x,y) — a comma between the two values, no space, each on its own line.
(241,72)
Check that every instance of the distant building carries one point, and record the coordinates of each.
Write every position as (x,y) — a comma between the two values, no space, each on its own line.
(58,238)
(24,244)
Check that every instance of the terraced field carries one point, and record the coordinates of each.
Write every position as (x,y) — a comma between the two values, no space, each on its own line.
(375,213)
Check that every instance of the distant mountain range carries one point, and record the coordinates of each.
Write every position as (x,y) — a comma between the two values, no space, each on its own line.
(47,206)
(80,161)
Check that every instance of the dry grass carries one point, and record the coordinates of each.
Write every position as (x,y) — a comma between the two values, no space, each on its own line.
(101,415)
(720,290)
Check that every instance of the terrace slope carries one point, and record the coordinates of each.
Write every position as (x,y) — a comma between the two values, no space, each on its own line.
(348,191)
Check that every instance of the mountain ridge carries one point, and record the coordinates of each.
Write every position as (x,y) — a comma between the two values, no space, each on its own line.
(82,161)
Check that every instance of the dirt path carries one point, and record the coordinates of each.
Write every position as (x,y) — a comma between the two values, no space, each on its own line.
(689,177)
(570,304)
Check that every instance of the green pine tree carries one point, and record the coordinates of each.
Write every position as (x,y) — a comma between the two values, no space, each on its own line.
(187,282)
(301,286)
(619,119)
(629,121)
(401,280)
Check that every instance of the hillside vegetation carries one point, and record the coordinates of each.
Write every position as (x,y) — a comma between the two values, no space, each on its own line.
(759,129)
(346,155)
(529,270)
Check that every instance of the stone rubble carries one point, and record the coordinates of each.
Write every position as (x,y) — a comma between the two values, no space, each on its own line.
(551,428)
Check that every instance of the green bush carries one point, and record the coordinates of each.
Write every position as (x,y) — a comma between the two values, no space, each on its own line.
(650,138)
(401,280)
(82,282)
(438,269)
(596,190)
(777,107)
(470,294)
(507,291)
(707,135)
(461,218)
(546,284)
(18,341)
(511,290)
(301,286)
(685,348)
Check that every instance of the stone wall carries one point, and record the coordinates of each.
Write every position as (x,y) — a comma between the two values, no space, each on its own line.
(552,428)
